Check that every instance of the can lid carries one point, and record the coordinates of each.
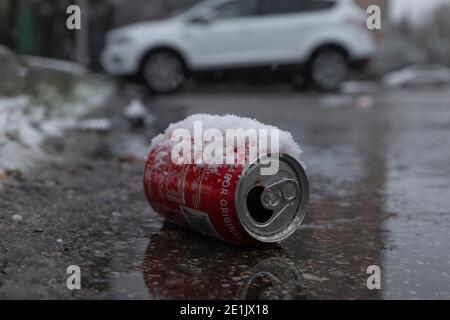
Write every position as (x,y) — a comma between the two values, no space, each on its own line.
(272,207)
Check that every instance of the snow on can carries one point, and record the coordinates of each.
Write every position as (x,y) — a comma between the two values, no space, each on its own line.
(234,203)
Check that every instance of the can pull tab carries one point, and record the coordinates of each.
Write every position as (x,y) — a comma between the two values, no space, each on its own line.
(280,194)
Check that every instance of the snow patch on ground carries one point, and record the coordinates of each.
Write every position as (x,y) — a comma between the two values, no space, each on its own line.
(25,122)
(98,124)
(135,109)
(418,75)
(137,114)
(56,65)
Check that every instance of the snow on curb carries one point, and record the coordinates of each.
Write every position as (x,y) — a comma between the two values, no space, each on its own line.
(56,65)
(25,123)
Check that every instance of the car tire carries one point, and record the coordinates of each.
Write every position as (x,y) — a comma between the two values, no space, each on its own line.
(328,69)
(163,72)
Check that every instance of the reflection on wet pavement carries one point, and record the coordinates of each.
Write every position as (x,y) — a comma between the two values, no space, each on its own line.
(417,190)
(180,264)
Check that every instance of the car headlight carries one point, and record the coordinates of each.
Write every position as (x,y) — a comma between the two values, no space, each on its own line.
(121,40)
(118,39)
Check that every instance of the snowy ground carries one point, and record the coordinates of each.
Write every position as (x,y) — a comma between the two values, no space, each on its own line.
(52,101)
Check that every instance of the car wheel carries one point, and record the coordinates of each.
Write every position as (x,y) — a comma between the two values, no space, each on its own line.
(328,69)
(163,72)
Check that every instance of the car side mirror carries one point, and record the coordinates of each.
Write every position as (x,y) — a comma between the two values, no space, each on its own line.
(205,16)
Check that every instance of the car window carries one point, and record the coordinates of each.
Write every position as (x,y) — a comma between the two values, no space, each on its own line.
(320,4)
(267,7)
(236,9)
(190,5)
(281,6)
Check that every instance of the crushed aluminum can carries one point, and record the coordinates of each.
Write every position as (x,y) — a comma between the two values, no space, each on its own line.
(234,203)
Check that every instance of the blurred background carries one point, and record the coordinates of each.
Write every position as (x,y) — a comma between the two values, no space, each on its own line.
(412,31)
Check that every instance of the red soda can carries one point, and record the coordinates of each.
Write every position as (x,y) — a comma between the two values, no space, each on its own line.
(234,203)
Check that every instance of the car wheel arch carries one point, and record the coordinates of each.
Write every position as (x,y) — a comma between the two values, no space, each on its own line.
(163,48)
(329,46)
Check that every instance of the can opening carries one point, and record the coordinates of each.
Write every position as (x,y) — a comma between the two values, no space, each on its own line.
(255,208)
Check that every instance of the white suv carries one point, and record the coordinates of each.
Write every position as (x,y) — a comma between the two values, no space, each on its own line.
(316,39)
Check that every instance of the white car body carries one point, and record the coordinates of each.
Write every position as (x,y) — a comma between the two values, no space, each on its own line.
(246,41)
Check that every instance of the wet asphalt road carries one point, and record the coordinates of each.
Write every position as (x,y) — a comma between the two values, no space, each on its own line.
(380,195)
